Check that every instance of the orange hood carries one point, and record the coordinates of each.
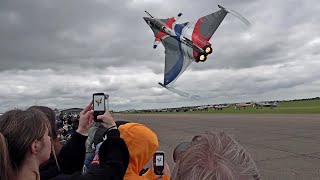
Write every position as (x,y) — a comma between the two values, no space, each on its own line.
(142,143)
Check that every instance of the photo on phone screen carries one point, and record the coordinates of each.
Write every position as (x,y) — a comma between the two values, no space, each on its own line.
(159,160)
(99,103)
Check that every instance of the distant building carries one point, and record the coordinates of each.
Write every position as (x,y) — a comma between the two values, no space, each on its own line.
(71,111)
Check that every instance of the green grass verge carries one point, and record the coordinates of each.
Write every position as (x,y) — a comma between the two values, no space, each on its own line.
(291,107)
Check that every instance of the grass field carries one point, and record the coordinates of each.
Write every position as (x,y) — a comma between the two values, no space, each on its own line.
(291,107)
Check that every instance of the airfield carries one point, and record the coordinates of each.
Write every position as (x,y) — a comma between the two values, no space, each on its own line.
(284,146)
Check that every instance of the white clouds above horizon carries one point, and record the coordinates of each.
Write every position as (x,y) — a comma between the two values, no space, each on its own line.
(59,53)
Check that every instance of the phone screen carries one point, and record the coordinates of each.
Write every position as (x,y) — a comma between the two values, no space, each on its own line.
(159,160)
(99,103)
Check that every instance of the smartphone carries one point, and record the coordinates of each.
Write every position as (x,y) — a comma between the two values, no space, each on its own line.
(158,162)
(99,105)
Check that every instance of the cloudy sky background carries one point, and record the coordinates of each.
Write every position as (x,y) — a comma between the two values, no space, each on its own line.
(57,53)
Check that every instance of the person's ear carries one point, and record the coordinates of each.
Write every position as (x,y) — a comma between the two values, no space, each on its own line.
(36,147)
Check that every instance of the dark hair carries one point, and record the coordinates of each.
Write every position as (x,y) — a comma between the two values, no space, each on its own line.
(51,116)
(180,149)
(5,164)
(19,129)
(123,122)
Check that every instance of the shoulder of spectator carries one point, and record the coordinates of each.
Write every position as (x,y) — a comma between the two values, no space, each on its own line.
(110,172)
(76,142)
(112,133)
(114,149)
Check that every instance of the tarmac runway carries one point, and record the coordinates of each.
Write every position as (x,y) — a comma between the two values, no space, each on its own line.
(283,146)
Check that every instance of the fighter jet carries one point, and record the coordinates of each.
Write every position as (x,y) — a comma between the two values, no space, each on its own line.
(186,42)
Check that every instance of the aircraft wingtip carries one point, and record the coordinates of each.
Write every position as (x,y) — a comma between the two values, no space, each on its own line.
(221,7)
(162,84)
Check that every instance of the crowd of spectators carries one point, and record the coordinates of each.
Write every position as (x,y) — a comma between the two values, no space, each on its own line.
(36,144)
(66,125)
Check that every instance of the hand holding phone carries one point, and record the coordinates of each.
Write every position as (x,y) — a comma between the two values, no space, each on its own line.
(84,119)
(106,119)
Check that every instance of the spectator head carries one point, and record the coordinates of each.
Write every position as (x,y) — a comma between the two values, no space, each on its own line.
(24,136)
(59,124)
(142,143)
(51,116)
(179,150)
(214,155)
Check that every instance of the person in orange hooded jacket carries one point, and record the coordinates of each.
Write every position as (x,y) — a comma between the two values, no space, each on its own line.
(142,143)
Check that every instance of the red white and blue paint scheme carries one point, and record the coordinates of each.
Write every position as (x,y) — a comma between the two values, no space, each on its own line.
(186,42)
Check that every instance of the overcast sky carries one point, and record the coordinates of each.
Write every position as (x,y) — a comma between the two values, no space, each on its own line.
(57,53)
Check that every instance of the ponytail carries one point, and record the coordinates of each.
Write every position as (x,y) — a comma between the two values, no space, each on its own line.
(6,171)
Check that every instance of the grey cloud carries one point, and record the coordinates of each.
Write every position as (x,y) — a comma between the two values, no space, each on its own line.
(59,52)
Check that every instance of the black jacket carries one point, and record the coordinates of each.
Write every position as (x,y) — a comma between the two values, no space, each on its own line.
(70,159)
(113,157)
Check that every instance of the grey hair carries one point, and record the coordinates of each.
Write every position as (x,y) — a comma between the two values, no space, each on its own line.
(215,155)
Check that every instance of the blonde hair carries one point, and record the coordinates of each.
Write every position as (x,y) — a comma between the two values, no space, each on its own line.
(215,155)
